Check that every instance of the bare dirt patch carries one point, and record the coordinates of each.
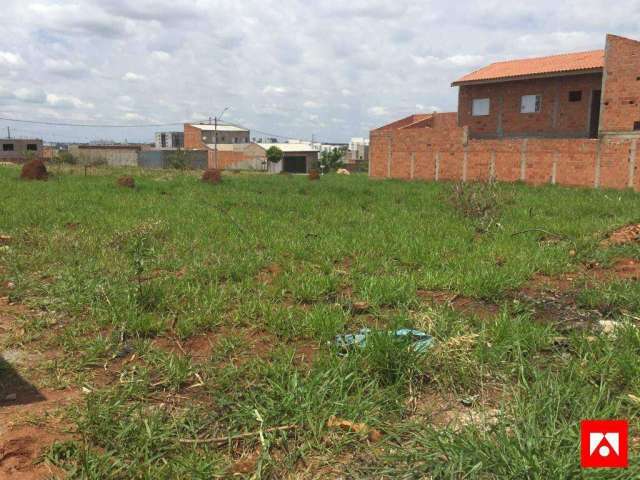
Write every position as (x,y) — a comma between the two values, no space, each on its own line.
(269,273)
(459,303)
(451,411)
(30,420)
(21,453)
(256,344)
(551,298)
(622,236)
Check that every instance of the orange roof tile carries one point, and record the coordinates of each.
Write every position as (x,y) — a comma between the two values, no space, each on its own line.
(514,69)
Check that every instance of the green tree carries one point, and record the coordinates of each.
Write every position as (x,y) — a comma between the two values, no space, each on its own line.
(274,154)
(332,159)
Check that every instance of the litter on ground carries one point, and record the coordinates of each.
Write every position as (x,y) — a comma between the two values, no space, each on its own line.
(420,341)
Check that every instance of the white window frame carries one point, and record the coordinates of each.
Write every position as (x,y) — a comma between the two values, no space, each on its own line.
(531,103)
(480,107)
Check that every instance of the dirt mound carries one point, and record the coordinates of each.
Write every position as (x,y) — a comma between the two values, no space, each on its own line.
(126,181)
(212,175)
(314,175)
(624,235)
(34,170)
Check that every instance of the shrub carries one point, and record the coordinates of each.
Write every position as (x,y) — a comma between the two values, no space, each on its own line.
(479,202)
(64,157)
(178,160)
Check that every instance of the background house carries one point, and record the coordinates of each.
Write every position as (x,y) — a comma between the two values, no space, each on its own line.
(358,151)
(16,150)
(198,136)
(297,157)
(169,140)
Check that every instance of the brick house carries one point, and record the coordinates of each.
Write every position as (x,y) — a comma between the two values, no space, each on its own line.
(571,119)
(557,96)
(198,135)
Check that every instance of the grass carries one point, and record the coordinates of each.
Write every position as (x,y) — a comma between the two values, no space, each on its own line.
(126,276)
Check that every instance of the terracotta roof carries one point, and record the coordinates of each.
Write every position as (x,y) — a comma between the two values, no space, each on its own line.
(514,69)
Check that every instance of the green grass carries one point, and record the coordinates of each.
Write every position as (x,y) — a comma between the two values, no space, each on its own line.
(121,269)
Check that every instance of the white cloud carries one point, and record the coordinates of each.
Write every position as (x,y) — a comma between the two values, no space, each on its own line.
(65,67)
(311,104)
(448,62)
(66,102)
(378,111)
(133,116)
(30,95)
(11,60)
(160,55)
(274,90)
(133,77)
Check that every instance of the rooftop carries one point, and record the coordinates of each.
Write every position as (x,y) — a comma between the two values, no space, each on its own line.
(290,147)
(530,67)
(221,128)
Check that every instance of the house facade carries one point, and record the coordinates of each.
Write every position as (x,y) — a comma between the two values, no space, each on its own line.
(571,119)
(296,157)
(15,150)
(169,140)
(197,135)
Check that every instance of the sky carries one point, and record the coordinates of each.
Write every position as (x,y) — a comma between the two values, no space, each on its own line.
(332,69)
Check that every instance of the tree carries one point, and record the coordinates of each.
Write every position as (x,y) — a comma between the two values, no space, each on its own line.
(274,154)
(332,159)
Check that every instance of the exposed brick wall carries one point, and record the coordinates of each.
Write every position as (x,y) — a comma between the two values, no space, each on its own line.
(621,99)
(558,116)
(443,154)
(193,138)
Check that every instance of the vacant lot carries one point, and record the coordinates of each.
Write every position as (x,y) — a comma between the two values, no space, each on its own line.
(185,330)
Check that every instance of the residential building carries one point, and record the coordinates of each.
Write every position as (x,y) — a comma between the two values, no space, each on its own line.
(358,150)
(169,140)
(198,136)
(557,96)
(297,157)
(571,119)
(15,150)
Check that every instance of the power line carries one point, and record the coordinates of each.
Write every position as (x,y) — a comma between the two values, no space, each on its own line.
(154,125)
(64,124)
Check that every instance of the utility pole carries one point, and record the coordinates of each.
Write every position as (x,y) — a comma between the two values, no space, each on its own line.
(215,151)
(9,133)
(215,132)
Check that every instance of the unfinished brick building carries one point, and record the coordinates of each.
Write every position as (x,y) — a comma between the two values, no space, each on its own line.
(570,119)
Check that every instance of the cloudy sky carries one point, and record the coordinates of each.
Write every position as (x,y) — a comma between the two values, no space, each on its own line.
(333,69)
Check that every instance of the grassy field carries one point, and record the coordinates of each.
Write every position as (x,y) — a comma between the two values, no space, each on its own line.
(179,311)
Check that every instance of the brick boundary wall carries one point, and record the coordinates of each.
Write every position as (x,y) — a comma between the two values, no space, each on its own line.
(429,154)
